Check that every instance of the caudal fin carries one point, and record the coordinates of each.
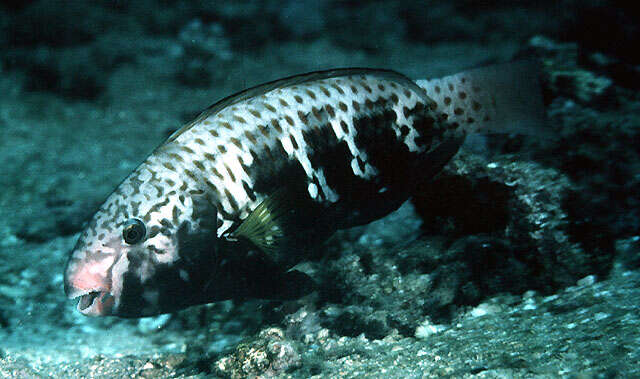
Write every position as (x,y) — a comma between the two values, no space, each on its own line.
(502,98)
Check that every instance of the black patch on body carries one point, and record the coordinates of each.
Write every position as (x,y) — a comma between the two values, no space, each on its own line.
(360,200)
(309,222)
(132,301)
(241,272)
(275,170)
(173,292)
(246,272)
(197,258)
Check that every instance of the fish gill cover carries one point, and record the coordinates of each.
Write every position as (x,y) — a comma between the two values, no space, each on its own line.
(520,257)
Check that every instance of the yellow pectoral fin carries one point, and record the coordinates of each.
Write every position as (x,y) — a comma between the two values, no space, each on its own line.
(266,226)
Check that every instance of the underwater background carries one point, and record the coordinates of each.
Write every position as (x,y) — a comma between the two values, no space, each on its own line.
(522,259)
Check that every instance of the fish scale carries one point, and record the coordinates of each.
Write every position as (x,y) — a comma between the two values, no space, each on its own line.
(332,149)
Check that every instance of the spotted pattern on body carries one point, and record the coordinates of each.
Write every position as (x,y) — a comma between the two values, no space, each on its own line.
(349,143)
(278,124)
(460,99)
(220,156)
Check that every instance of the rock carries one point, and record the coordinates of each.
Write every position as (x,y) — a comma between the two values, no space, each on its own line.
(269,354)
(303,324)
(427,328)
(371,294)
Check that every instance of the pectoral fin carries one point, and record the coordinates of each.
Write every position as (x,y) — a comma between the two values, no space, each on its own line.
(285,226)
(267,226)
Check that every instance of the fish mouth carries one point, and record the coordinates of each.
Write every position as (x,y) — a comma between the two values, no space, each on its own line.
(90,282)
(96,302)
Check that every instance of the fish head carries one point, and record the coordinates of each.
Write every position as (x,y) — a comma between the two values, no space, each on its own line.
(143,253)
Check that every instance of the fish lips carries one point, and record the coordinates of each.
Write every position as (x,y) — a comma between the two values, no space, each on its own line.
(93,302)
(93,294)
(90,282)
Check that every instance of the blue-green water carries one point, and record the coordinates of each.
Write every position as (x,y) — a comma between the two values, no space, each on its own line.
(520,260)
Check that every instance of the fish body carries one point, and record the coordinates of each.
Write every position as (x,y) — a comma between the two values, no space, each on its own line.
(232,200)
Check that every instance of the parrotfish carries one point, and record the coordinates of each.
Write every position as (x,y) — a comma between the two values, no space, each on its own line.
(232,201)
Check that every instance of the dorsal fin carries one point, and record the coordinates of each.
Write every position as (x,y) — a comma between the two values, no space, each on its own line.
(291,81)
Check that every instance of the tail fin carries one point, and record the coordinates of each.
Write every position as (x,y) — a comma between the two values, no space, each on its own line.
(502,98)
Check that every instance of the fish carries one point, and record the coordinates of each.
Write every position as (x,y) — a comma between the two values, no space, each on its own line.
(232,201)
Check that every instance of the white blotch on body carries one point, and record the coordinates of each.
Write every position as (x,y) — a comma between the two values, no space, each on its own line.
(313,190)
(102,265)
(117,273)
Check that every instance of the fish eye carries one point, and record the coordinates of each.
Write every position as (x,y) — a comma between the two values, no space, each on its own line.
(133,231)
